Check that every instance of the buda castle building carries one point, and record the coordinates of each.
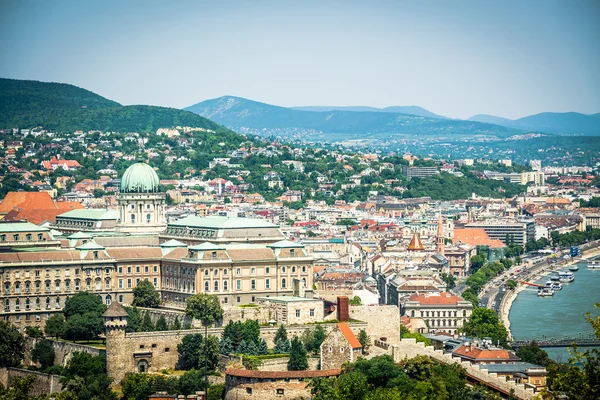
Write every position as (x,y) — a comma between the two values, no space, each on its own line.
(237,259)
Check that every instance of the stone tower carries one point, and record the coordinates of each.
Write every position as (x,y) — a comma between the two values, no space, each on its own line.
(115,323)
(141,204)
(439,238)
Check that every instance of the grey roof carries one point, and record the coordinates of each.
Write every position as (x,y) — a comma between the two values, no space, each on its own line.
(91,245)
(173,243)
(9,227)
(223,222)
(207,246)
(94,214)
(79,235)
(511,367)
(115,310)
(285,244)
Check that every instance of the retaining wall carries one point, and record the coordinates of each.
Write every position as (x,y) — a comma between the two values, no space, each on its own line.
(63,351)
(44,383)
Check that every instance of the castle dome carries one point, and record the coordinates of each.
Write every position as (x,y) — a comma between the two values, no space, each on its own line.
(139,178)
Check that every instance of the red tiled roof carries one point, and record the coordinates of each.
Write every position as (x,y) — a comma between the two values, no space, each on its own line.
(484,354)
(35,216)
(476,237)
(69,205)
(443,298)
(349,335)
(26,200)
(245,373)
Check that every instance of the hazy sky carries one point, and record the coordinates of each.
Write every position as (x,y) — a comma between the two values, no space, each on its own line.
(456,58)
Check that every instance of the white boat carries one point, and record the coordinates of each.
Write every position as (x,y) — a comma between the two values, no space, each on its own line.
(595,264)
(545,292)
(566,276)
(556,286)
(574,268)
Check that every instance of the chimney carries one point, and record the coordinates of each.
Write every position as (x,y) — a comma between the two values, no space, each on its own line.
(342,309)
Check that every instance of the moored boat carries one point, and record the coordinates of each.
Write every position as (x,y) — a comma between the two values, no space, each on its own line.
(557,286)
(545,292)
(566,276)
(595,264)
(574,268)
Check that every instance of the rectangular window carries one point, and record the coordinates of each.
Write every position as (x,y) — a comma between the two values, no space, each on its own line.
(297,313)
(253,284)
(146,269)
(129,283)
(155,282)
(156,268)
(238,271)
(267,270)
(128,270)
(312,312)
(239,299)
(238,285)
(120,270)
(137,280)
(120,283)
(137,269)
(268,283)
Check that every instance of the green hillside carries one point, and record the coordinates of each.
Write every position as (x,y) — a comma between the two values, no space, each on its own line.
(240,113)
(66,108)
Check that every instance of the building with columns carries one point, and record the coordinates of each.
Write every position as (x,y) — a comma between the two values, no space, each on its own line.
(141,204)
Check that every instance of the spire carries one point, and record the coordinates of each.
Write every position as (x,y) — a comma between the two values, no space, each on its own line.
(415,243)
(439,248)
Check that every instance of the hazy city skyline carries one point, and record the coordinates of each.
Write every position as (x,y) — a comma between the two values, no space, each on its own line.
(455,58)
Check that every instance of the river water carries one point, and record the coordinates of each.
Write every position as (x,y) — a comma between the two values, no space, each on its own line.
(562,315)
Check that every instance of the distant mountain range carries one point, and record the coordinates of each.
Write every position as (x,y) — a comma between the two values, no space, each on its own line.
(237,112)
(66,108)
(412,110)
(570,123)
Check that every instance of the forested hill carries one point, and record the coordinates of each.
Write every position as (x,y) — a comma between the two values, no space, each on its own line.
(62,107)
(236,112)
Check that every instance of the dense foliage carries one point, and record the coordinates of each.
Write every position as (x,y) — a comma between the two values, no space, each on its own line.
(380,378)
(43,352)
(145,295)
(12,345)
(485,323)
(67,108)
(83,315)
(195,352)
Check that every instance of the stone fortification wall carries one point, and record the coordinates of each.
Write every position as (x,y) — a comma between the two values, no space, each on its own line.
(332,295)
(269,391)
(382,321)
(44,383)
(159,349)
(169,313)
(280,364)
(410,348)
(63,351)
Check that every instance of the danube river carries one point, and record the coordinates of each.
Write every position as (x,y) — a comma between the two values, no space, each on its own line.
(562,315)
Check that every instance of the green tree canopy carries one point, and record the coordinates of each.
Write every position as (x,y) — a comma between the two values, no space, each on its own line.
(485,323)
(298,361)
(145,295)
(12,345)
(55,326)
(204,307)
(43,352)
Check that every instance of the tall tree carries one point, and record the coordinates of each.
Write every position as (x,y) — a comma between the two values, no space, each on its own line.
(251,331)
(145,295)
(147,325)
(281,334)
(485,323)
(83,315)
(298,361)
(43,352)
(161,324)
(12,345)
(364,339)
(207,309)
(176,325)
(55,326)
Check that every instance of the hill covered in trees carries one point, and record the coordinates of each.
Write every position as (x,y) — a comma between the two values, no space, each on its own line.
(239,113)
(62,107)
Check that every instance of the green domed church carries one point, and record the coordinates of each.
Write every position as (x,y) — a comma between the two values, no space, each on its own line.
(141,203)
